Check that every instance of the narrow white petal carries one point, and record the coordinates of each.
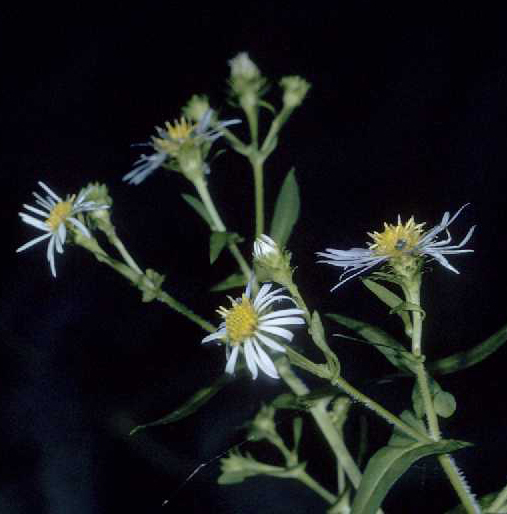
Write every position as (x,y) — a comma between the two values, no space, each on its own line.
(219,334)
(47,204)
(282,312)
(35,210)
(269,342)
(49,191)
(80,227)
(51,255)
(443,261)
(33,242)
(282,332)
(231,361)
(250,359)
(292,320)
(274,299)
(30,220)
(264,362)
(62,234)
(261,294)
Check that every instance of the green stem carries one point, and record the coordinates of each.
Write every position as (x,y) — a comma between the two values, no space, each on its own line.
(116,241)
(306,479)
(202,190)
(324,422)
(141,281)
(257,164)
(378,409)
(413,295)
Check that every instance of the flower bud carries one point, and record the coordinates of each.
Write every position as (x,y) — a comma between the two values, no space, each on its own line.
(294,90)
(270,262)
(246,79)
(196,108)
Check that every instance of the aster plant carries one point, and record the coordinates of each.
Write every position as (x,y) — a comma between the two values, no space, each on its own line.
(269,331)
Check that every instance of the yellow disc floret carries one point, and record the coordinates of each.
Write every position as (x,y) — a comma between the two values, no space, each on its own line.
(240,320)
(178,132)
(59,213)
(396,240)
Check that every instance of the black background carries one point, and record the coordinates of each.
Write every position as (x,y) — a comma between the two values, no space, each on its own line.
(407,114)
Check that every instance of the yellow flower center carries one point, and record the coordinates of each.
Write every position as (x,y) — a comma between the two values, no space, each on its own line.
(396,240)
(240,320)
(179,132)
(59,213)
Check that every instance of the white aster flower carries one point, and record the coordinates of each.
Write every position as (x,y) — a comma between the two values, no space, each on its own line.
(398,242)
(56,213)
(248,325)
(169,141)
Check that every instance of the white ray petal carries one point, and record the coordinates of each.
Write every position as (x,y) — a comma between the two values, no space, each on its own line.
(250,358)
(291,320)
(219,334)
(269,342)
(278,331)
(264,362)
(33,242)
(281,312)
(49,191)
(231,361)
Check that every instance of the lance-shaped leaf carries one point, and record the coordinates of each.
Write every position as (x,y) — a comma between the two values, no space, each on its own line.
(194,403)
(463,360)
(394,352)
(218,241)
(199,207)
(286,210)
(387,465)
(392,300)
(231,282)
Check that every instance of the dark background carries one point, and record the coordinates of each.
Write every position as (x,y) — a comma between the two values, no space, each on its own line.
(407,114)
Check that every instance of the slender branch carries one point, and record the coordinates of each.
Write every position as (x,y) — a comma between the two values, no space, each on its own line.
(202,190)
(323,420)
(499,501)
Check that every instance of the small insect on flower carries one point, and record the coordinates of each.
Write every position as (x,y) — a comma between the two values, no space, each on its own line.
(248,324)
(398,244)
(169,141)
(56,214)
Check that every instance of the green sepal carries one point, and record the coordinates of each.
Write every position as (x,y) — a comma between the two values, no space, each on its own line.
(468,358)
(199,207)
(194,403)
(219,240)
(233,281)
(394,352)
(388,464)
(392,300)
(286,212)
(443,402)
(149,294)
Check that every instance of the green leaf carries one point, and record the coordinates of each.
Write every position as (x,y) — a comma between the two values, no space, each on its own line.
(392,300)
(394,352)
(199,207)
(286,210)
(463,360)
(297,430)
(218,241)
(401,439)
(387,465)
(195,402)
(231,282)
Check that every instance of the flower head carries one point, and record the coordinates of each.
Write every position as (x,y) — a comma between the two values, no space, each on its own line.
(172,141)
(399,245)
(248,324)
(57,215)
